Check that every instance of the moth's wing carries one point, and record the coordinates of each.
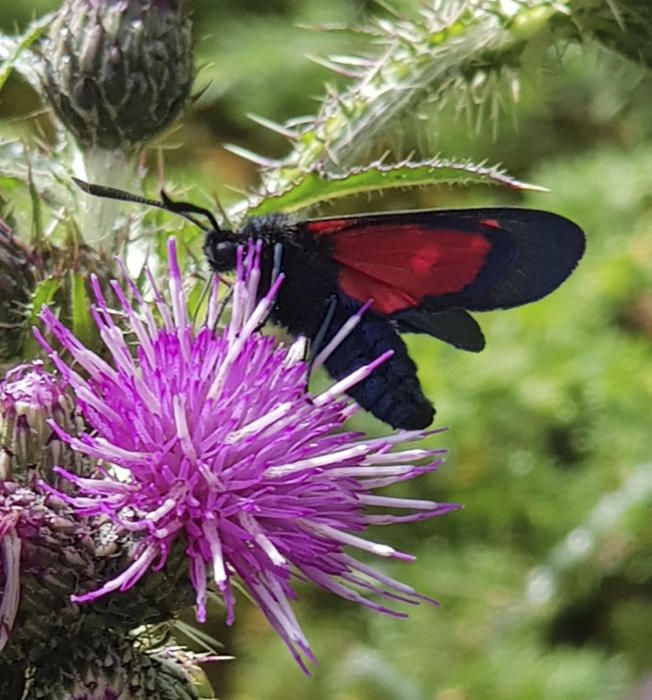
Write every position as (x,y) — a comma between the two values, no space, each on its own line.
(454,326)
(474,259)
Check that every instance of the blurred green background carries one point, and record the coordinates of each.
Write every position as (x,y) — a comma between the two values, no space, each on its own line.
(545,577)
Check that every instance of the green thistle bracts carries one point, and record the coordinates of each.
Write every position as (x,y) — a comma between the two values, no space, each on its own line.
(110,666)
(118,73)
(16,285)
(58,554)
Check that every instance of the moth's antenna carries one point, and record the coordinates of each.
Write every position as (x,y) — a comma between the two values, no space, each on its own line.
(184,209)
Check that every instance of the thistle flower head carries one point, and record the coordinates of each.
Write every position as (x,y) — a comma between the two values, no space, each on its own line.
(223,445)
(29,397)
(30,390)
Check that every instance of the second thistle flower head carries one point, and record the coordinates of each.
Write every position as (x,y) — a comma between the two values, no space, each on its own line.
(29,397)
(223,446)
(118,71)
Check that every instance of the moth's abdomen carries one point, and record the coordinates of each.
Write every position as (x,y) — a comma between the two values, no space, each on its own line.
(392,392)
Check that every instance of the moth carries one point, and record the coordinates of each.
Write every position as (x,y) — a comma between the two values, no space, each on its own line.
(419,271)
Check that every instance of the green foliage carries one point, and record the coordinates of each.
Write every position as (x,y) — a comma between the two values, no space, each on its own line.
(81,323)
(312,188)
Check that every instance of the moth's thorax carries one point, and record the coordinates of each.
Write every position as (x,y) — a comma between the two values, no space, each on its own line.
(310,274)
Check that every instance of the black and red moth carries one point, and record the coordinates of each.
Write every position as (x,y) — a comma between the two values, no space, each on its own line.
(423,272)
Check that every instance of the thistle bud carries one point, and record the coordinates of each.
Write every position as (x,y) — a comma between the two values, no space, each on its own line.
(48,554)
(118,71)
(46,551)
(109,666)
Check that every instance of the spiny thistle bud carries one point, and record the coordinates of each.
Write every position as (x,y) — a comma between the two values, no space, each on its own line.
(45,552)
(48,554)
(30,397)
(16,285)
(118,71)
(109,667)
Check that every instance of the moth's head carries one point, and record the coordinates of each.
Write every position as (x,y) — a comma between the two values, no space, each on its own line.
(220,248)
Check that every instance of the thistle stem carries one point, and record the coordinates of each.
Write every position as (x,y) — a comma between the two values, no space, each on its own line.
(98,214)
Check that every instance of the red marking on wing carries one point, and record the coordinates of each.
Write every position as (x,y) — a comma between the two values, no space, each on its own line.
(399,265)
(491,223)
(325,226)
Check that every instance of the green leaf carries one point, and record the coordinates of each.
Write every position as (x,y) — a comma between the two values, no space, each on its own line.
(43,294)
(315,187)
(37,217)
(80,304)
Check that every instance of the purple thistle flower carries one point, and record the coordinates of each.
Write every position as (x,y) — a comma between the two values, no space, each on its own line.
(30,397)
(223,445)
(30,390)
